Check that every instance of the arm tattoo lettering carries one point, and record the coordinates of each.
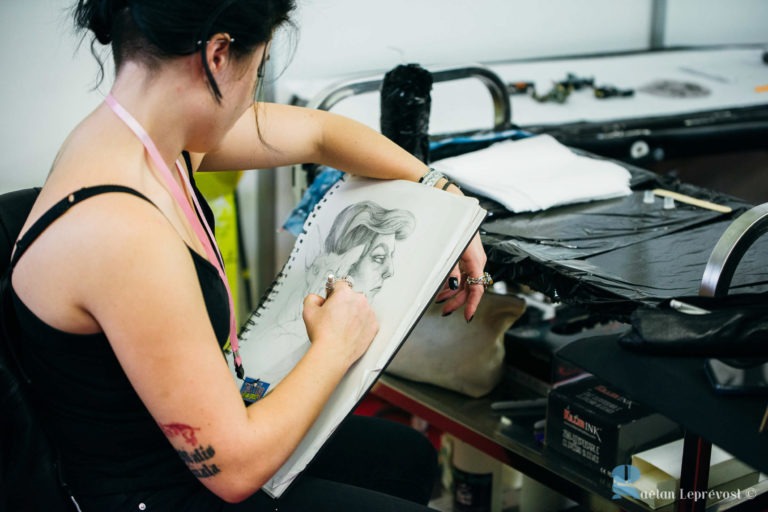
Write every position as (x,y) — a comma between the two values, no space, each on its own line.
(199,460)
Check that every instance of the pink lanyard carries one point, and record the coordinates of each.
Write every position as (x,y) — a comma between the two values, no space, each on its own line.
(198,222)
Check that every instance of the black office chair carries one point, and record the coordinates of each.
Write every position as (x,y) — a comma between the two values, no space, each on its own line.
(29,478)
(14,208)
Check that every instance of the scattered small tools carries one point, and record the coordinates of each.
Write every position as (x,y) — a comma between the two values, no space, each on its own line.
(562,89)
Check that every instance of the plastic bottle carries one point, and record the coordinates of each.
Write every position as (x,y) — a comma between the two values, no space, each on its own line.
(477,479)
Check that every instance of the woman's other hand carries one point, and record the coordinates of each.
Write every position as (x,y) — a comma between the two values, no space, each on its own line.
(471,264)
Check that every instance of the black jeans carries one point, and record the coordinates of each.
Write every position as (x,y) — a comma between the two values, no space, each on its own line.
(368,465)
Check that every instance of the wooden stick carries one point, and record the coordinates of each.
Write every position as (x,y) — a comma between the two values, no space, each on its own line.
(692,200)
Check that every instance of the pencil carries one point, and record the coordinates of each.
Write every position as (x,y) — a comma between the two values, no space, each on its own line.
(329,282)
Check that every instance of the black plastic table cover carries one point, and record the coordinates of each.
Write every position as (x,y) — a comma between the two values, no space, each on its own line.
(614,255)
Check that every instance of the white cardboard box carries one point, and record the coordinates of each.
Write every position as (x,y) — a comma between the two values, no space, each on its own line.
(659,480)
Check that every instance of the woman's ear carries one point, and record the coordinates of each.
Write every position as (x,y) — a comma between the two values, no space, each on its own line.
(218,51)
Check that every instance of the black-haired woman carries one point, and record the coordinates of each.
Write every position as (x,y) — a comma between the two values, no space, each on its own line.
(122,299)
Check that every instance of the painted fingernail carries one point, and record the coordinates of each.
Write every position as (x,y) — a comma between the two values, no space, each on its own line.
(453,283)
(470,318)
(447,314)
(440,301)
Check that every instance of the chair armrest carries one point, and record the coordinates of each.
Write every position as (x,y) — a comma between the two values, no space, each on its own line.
(502,106)
(730,248)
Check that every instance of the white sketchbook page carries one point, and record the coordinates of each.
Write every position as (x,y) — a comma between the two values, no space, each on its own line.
(400,289)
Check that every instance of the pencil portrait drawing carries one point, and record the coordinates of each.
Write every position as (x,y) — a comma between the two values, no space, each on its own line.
(361,243)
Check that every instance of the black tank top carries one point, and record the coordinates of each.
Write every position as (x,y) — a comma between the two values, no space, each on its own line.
(107,439)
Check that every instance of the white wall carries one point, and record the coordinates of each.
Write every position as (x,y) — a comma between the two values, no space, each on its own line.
(343,36)
(45,87)
(712,22)
(46,83)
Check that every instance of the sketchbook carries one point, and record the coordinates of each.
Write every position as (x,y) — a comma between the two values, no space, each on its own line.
(398,240)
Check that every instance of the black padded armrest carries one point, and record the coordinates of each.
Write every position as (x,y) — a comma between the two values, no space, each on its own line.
(730,248)
(14,209)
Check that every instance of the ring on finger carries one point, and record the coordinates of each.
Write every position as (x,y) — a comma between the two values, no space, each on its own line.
(485,280)
(332,280)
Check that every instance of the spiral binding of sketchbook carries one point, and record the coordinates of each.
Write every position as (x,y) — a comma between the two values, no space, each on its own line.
(371,230)
(266,297)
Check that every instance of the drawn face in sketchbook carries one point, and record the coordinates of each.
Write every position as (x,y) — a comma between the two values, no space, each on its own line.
(374,266)
(362,243)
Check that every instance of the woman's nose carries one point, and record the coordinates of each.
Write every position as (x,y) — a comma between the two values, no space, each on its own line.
(389,269)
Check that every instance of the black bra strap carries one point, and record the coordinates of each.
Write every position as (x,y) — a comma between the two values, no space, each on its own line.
(60,209)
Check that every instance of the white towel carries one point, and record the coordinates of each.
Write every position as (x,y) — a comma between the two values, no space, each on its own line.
(536,173)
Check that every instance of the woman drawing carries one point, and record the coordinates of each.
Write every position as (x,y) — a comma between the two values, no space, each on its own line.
(123,304)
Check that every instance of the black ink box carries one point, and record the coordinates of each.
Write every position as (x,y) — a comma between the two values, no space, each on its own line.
(598,427)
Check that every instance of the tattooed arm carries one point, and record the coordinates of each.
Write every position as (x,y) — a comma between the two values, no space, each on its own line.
(167,348)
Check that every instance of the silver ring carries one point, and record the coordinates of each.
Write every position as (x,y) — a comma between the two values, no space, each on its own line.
(484,280)
(332,280)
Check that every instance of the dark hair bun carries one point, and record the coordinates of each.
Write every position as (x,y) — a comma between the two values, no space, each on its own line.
(98,16)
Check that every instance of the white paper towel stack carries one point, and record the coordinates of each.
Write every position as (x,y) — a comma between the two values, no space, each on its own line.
(536,173)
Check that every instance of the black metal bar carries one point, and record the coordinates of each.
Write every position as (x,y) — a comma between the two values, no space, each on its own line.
(694,474)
